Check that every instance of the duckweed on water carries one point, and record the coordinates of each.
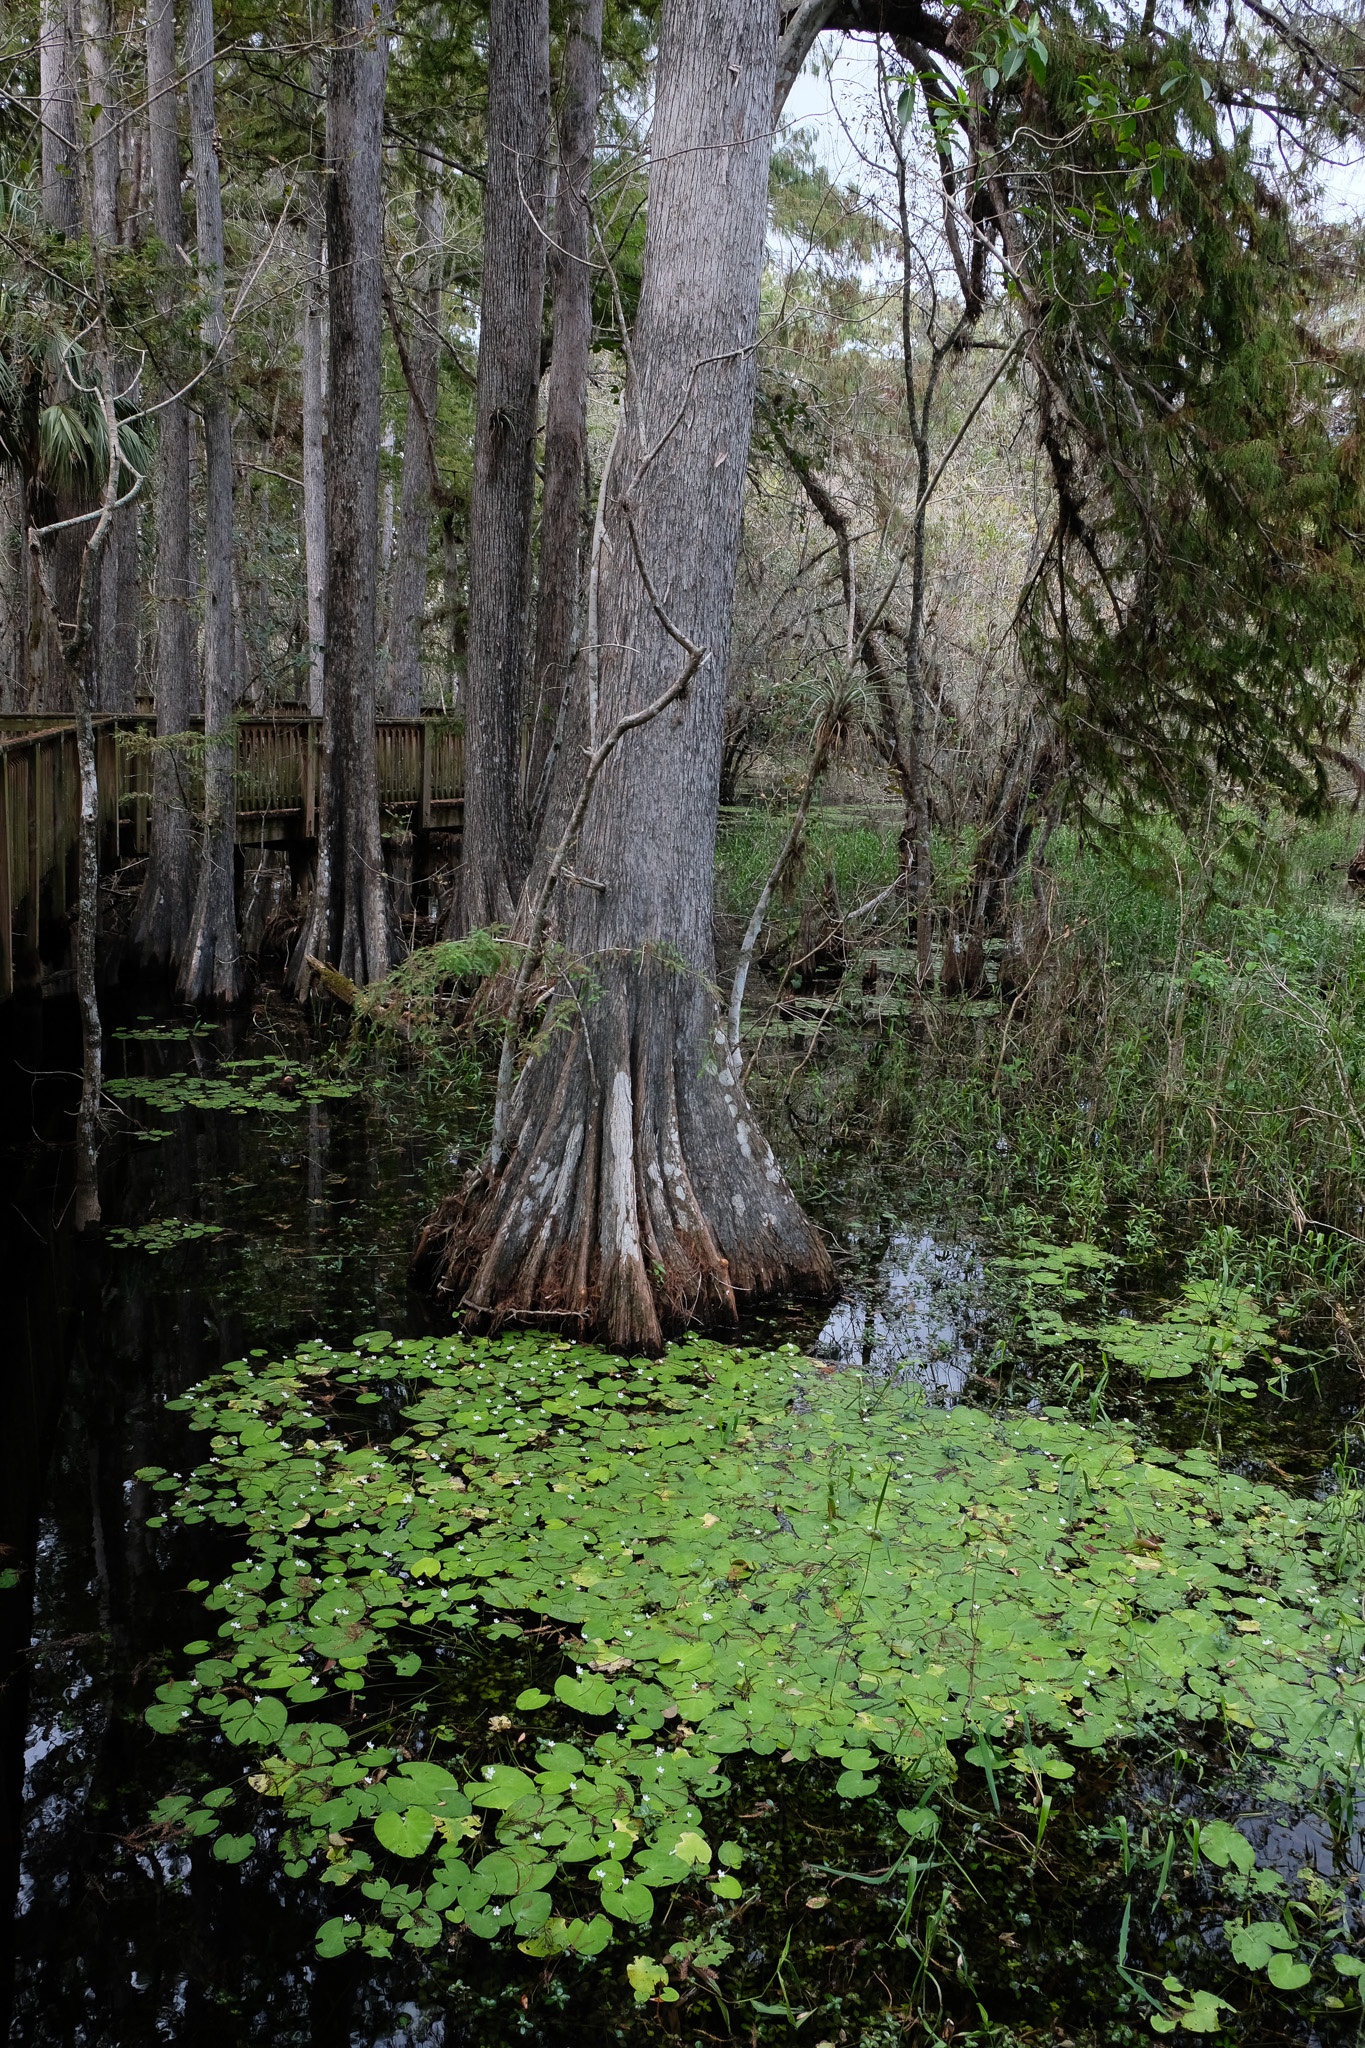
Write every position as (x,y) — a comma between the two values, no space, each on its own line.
(724,1551)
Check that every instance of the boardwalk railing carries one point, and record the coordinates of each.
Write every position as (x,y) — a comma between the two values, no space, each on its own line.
(279,760)
(420,761)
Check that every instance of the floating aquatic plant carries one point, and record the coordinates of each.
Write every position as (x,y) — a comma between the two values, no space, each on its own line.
(165,1034)
(270,1083)
(1210,1329)
(162,1234)
(720,1552)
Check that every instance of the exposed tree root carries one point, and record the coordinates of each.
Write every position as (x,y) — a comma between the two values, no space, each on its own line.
(635,1196)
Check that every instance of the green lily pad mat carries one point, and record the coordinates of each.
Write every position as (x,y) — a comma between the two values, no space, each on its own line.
(163,1234)
(272,1083)
(723,1551)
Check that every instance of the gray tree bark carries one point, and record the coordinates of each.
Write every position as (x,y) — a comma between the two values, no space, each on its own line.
(211,970)
(495,853)
(563,493)
(351,925)
(312,345)
(634,1194)
(162,924)
(57,78)
(116,662)
(114,673)
(452,598)
(48,686)
(105,121)
(408,582)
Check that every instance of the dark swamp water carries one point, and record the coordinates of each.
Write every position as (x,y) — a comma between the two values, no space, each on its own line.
(120,1939)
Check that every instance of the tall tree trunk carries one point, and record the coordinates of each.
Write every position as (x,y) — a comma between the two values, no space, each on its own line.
(118,606)
(915,839)
(566,402)
(314,458)
(87,1203)
(632,1193)
(453,600)
(351,926)
(408,584)
(75,642)
(49,683)
(114,666)
(57,76)
(495,845)
(105,122)
(211,971)
(163,914)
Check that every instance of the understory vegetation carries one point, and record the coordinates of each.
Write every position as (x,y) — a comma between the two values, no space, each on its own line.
(1175,1045)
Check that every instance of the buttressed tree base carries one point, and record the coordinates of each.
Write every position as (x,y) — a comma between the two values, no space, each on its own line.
(634,1194)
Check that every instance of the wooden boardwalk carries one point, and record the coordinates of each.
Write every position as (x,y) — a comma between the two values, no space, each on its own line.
(279,760)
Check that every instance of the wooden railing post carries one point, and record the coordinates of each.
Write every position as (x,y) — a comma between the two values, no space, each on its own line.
(53,807)
(424,793)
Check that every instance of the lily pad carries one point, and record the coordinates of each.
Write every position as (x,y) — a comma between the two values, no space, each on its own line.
(258,1722)
(405,1831)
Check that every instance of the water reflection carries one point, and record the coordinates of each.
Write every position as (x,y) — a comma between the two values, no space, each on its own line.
(919,1317)
(123,1939)
(126,1940)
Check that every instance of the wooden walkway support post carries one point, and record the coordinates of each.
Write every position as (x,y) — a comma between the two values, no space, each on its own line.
(276,786)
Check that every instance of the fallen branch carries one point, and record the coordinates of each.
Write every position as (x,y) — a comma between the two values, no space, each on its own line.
(339,985)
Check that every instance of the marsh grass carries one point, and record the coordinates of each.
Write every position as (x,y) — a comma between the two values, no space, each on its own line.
(1186,1050)
(855,845)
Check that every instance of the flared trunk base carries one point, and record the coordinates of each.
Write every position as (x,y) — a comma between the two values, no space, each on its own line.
(211,974)
(636,1198)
